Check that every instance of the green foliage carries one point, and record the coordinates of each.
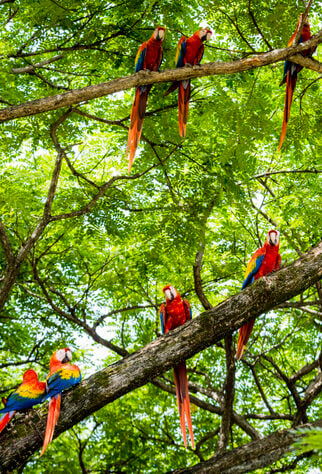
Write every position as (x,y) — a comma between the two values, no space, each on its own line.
(312,439)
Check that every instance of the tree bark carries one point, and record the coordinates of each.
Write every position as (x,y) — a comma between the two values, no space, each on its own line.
(24,435)
(251,456)
(147,77)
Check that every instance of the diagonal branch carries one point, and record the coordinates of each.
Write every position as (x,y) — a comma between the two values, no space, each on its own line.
(6,245)
(147,77)
(251,456)
(160,355)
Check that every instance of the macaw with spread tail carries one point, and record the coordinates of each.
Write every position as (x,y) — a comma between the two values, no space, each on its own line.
(28,394)
(62,375)
(189,52)
(264,261)
(174,313)
(149,56)
(290,75)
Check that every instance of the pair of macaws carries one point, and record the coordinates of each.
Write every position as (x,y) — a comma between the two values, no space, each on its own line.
(176,311)
(149,57)
(62,375)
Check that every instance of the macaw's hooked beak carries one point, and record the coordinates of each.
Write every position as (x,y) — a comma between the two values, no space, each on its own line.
(169,295)
(206,36)
(159,34)
(273,238)
(65,360)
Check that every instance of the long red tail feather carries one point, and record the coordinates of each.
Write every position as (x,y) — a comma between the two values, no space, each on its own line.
(181,383)
(244,333)
(290,86)
(52,418)
(5,419)
(137,118)
(183,106)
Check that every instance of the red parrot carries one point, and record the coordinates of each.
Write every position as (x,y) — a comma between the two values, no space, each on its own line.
(28,394)
(264,261)
(62,375)
(149,56)
(173,314)
(290,75)
(189,52)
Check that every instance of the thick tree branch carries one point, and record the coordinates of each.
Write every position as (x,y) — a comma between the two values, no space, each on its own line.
(147,77)
(251,456)
(25,435)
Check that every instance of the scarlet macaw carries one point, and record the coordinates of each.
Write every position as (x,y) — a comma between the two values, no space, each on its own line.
(173,314)
(149,56)
(264,261)
(62,375)
(290,75)
(28,394)
(189,52)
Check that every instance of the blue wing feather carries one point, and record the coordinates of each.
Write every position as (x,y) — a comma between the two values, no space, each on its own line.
(139,60)
(162,315)
(181,52)
(251,275)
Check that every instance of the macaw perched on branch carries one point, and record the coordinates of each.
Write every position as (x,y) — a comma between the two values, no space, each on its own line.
(290,75)
(173,314)
(149,56)
(264,261)
(28,394)
(62,375)
(189,52)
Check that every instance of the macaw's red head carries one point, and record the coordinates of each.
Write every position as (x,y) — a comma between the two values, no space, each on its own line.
(159,33)
(29,376)
(273,237)
(170,293)
(62,356)
(204,34)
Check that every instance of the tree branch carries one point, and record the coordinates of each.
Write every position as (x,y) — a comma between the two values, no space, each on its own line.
(147,77)
(146,364)
(251,456)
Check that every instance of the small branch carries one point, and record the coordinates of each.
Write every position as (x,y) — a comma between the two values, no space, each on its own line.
(6,245)
(264,175)
(257,27)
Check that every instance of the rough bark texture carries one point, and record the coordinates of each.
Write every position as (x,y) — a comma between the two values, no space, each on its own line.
(24,435)
(251,456)
(147,77)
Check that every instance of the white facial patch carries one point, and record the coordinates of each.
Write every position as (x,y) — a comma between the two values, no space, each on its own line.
(168,294)
(273,237)
(173,291)
(60,354)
